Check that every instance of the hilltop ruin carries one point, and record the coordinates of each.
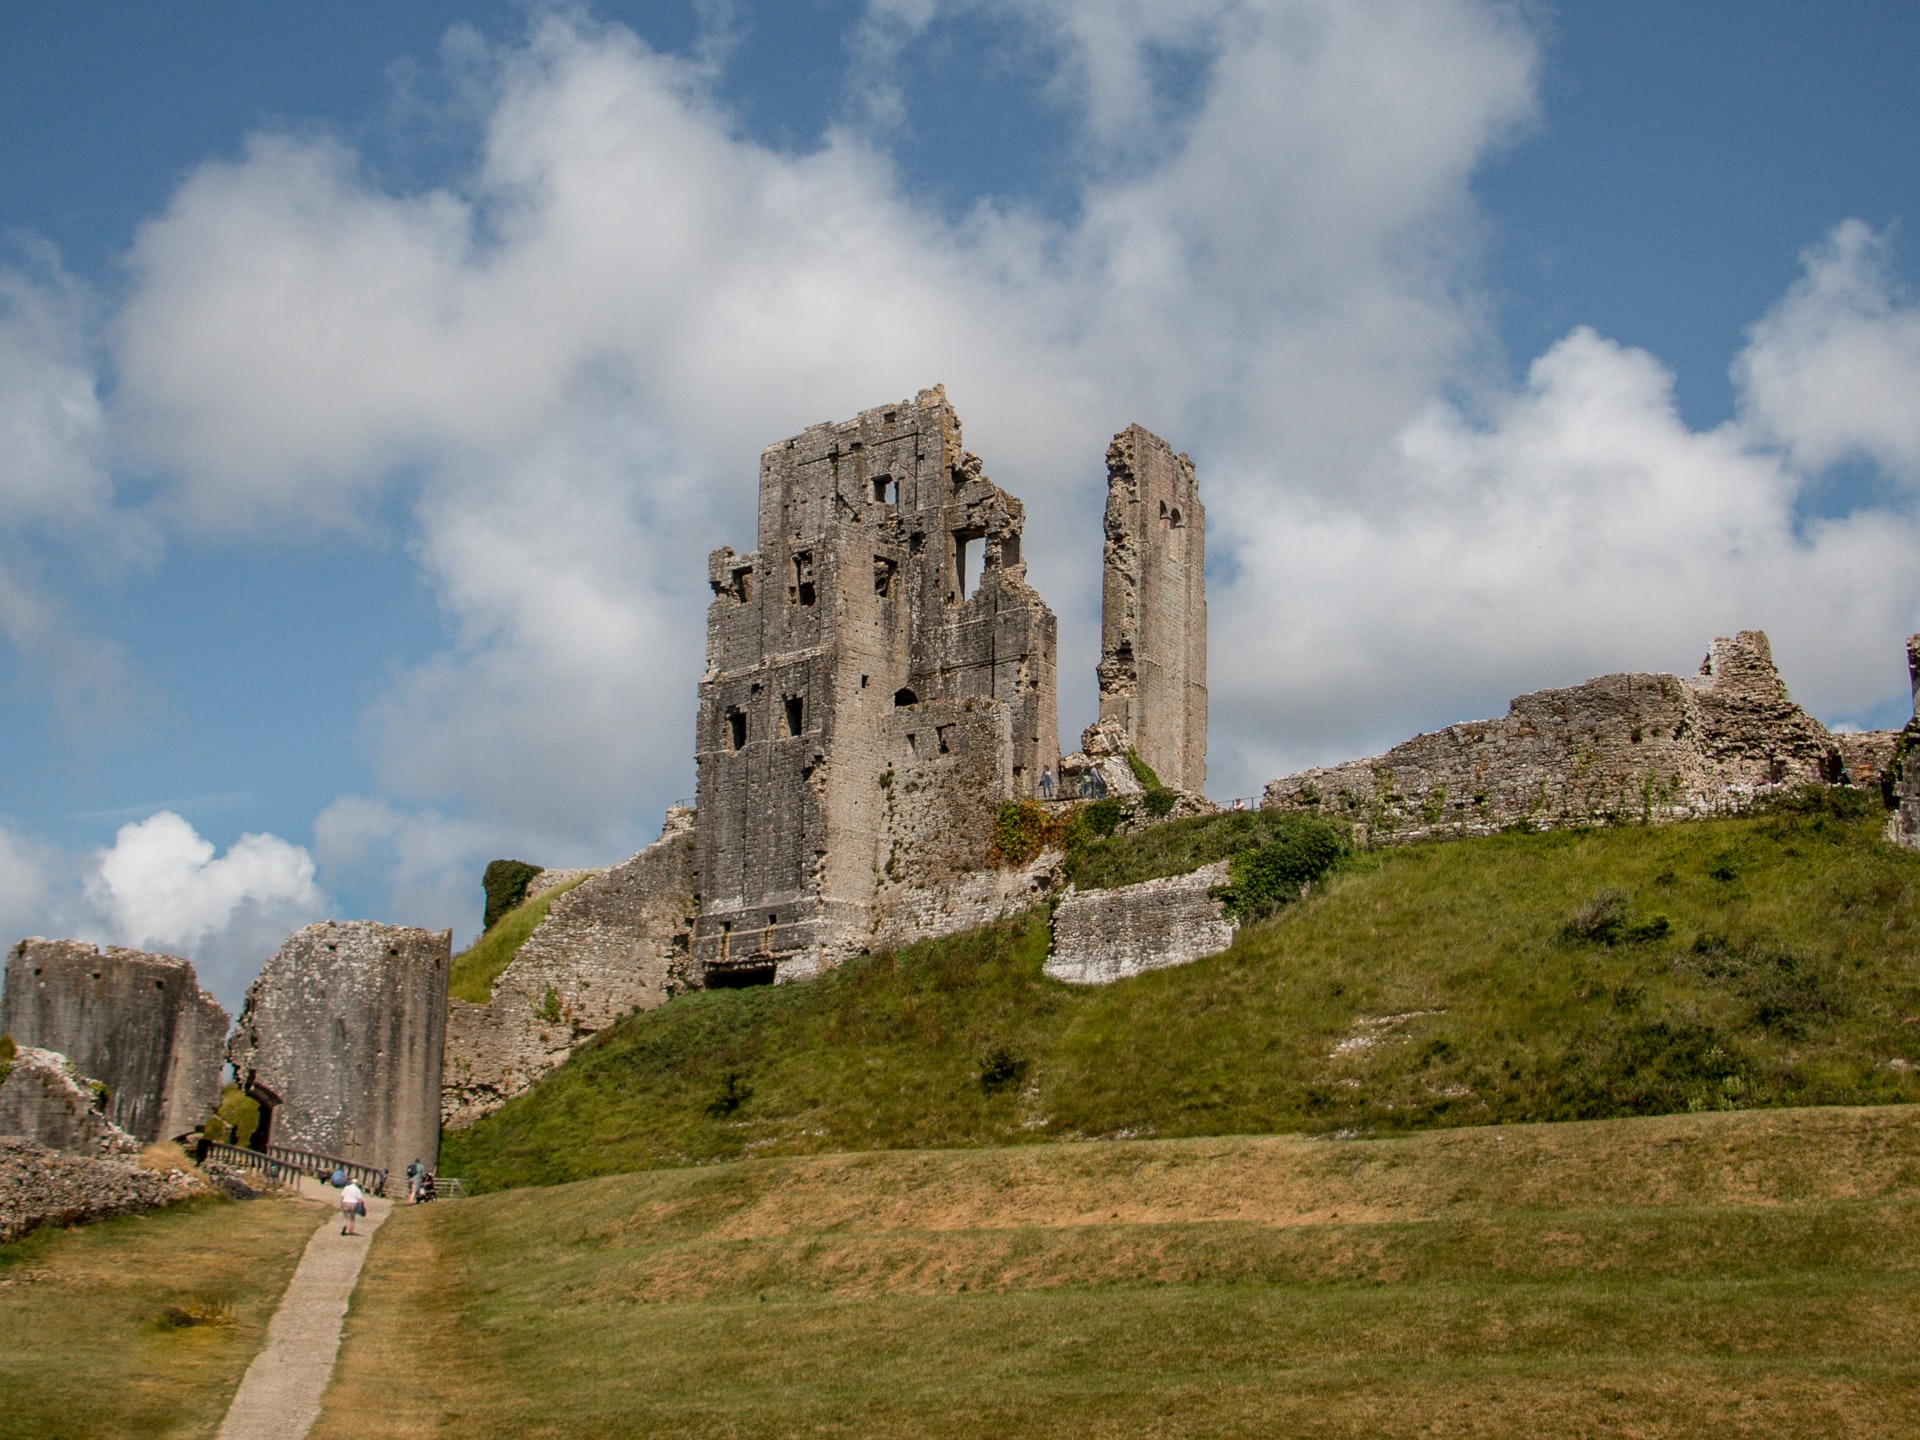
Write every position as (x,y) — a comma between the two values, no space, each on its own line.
(1638,747)
(880,679)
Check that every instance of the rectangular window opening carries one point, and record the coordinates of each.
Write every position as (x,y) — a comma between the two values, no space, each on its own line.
(941,732)
(803,590)
(964,553)
(737,727)
(796,714)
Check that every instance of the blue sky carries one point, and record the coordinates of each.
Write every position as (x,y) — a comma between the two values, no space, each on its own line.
(378,376)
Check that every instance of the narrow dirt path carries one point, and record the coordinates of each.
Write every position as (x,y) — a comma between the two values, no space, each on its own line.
(279,1397)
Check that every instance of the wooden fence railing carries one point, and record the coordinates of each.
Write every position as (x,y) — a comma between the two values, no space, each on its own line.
(279,1162)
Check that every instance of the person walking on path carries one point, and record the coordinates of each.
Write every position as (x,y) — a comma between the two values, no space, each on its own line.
(414,1172)
(353,1204)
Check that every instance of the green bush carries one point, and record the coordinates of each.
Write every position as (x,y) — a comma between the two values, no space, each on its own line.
(505,882)
(1299,851)
(1001,1069)
(237,1118)
(6,1057)
(1023,828)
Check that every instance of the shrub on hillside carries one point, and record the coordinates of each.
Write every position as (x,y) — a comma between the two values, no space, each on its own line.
(505,882)
(1298,850)
(1023,828)
(1605,920)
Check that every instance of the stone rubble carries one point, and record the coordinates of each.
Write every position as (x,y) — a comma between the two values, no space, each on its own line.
(43,1186)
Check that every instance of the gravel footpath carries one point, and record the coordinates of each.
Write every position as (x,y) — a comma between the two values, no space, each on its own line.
(279,1397)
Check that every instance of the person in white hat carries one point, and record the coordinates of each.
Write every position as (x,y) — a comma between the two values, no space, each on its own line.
(353,1204)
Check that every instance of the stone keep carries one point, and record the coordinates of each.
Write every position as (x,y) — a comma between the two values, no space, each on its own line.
(342,1039)
(884,622)
(138,1023)
(1153,604)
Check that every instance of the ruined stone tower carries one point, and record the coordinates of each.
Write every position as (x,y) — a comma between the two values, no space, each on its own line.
(884,625)
(341,1042)
(1153,627)
(138,1023)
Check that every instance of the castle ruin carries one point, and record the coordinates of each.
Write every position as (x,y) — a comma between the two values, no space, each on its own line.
(885,622)
(880,678)
(342,1040)
(139,1023)
(1645,747)
(1153,610)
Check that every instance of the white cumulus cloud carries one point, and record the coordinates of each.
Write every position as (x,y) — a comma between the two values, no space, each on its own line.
(161,886)
(1832,370)
(565,361)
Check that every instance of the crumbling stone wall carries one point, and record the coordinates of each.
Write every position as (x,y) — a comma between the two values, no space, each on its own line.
(43,1100)
(1902,774)
(615,943)
(137,1022)
(1153,610)
(1100,936)
(1620,747)
(342,1039)
(889,579)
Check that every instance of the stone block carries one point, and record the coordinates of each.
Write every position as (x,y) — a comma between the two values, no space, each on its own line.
(342,1040)
(43,1100)
(1100,936)
(137,1022)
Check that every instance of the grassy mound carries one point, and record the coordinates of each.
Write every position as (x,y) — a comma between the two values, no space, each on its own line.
(1731,964)
(1748,1274)
(475,968)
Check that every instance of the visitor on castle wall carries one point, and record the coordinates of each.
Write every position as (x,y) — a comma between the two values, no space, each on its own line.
(1046,784)
(353,1205)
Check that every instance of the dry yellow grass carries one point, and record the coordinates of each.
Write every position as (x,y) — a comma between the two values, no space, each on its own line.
(1740,1273)
(141,1326)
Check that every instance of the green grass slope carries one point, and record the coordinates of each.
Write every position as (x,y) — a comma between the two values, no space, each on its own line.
(1752,1274)
(475,968)
(1763,961)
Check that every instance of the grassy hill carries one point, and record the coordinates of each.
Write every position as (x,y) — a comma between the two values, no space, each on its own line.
(1762,961)
(1750,1273)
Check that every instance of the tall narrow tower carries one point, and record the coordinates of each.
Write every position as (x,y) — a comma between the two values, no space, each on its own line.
(1153,631)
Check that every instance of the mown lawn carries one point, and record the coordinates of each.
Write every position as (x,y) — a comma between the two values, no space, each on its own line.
(1751,1273)
(141,1326)
(1734,964)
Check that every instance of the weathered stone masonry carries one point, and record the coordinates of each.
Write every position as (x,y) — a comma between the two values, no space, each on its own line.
(1153,609)
(1620,747)
(342,1040)
(138,1023)
(1903,768)
(1100,936)
(884,622)
(616,942)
